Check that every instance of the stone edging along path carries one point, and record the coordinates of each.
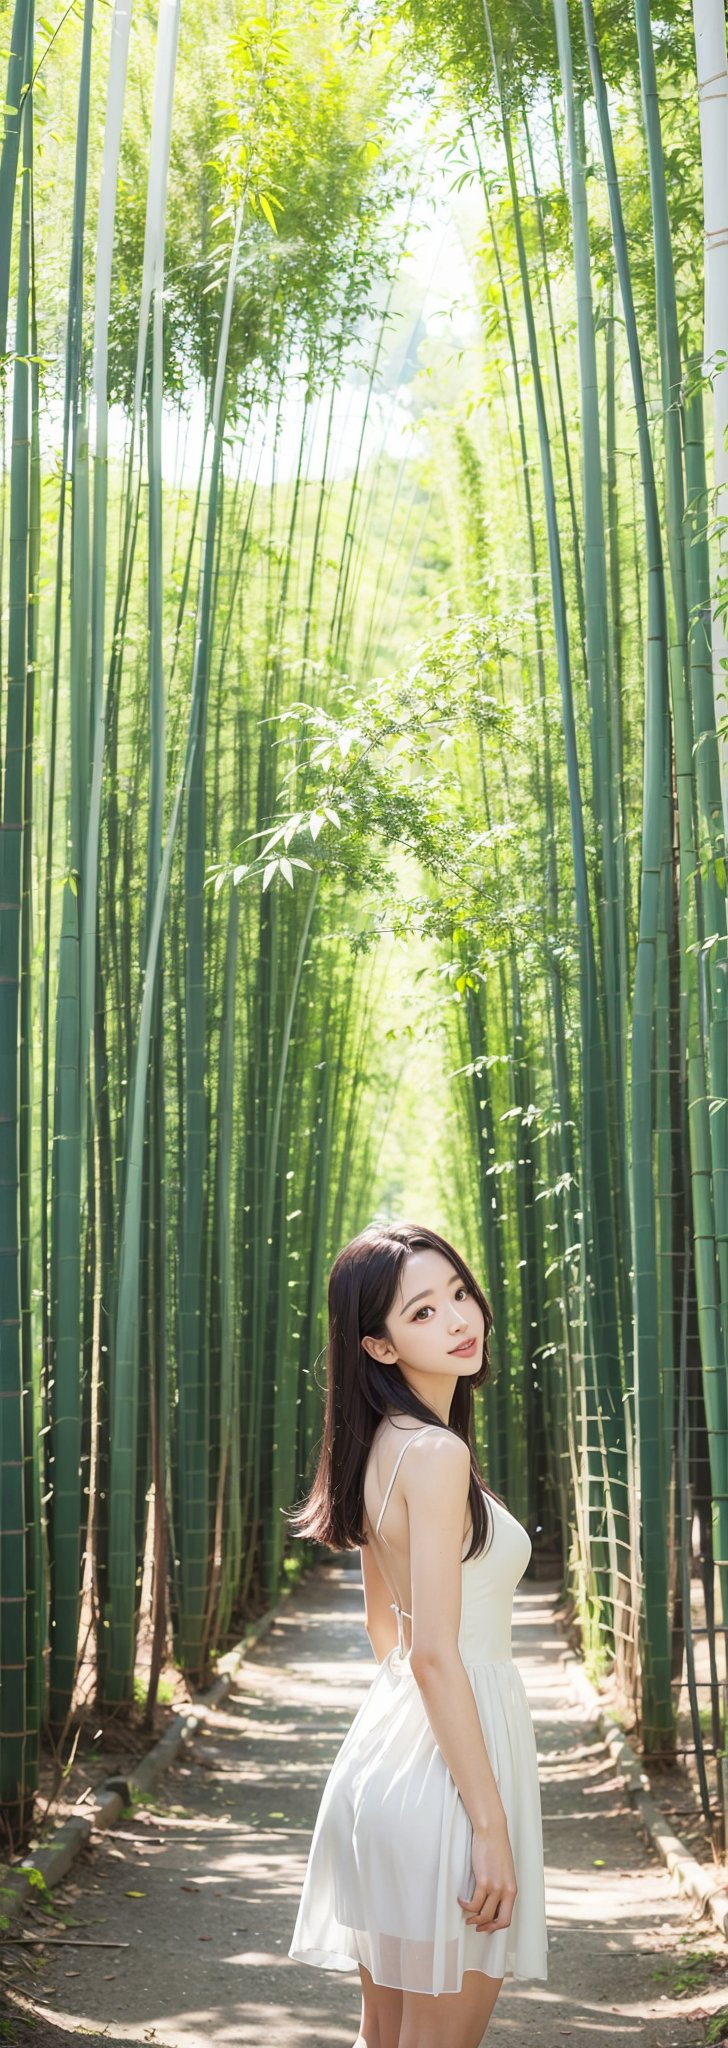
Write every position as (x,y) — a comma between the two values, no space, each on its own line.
(697,1880)
(103,1809)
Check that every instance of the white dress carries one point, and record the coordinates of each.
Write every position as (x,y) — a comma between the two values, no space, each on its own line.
(390,1850)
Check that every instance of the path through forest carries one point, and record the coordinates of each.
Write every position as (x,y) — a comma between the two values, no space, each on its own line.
(201,1886)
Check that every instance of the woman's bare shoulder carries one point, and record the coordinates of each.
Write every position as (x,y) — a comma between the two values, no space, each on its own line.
(439,1457)
(434,1440)
(439,1439)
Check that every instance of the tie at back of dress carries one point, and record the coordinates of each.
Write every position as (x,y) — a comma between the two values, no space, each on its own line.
(399,1611)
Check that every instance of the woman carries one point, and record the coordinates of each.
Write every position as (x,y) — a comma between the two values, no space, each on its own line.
(425,1868)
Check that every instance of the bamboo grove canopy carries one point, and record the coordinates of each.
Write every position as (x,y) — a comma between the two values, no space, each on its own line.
(358,663)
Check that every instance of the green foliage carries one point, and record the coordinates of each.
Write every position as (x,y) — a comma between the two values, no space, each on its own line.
(278,122)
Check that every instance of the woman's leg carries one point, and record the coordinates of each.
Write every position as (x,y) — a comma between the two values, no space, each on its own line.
(459,2018)
(381,2014)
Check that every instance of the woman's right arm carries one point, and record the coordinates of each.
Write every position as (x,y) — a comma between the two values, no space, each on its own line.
(436,1491)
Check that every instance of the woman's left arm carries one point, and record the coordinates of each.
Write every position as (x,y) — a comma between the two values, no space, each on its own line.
(379,1621)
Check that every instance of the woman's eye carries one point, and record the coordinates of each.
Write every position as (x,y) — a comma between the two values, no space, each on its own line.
(427,1306)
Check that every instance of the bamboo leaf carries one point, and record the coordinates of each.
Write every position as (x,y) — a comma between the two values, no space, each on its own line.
(267,209)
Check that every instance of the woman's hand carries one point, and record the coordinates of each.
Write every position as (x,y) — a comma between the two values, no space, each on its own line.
(494,1881)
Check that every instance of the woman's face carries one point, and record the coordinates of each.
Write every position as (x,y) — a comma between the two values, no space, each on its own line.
(431,1318)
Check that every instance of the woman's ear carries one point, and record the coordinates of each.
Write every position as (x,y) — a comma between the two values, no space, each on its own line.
(380,1349)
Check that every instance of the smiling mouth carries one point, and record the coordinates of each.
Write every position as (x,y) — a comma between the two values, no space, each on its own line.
(466,1346)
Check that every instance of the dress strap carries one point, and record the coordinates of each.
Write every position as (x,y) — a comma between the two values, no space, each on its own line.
(410,1437)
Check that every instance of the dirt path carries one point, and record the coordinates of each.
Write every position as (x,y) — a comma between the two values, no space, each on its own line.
(202,1885)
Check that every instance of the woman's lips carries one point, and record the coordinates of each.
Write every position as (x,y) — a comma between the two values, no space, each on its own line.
(463,1350)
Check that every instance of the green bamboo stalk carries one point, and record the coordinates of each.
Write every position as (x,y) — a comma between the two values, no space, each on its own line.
(227,1533)
(600,695)
(18,1742)
(153,1222)
(62,1303)
(567,1221)
(558,380)
(118,61)
(711,840)
(18,79)
(624,935)
(271,1183)
(94,1044)
(598,1221)
(64,1518)
(37,1605)
(657,1703)
(499,1419)
(192,1521)
(711,1312)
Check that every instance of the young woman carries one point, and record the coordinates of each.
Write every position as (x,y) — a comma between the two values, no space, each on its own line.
(425,1867)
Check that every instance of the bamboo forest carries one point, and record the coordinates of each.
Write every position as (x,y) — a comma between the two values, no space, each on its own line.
(363,800)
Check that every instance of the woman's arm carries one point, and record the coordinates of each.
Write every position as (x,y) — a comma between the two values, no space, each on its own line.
(379,1621)
(436,1478)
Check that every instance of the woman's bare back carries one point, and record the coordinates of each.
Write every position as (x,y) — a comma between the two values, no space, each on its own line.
(392,1552)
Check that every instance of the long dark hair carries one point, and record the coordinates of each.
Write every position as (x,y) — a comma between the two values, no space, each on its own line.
(359,1390)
